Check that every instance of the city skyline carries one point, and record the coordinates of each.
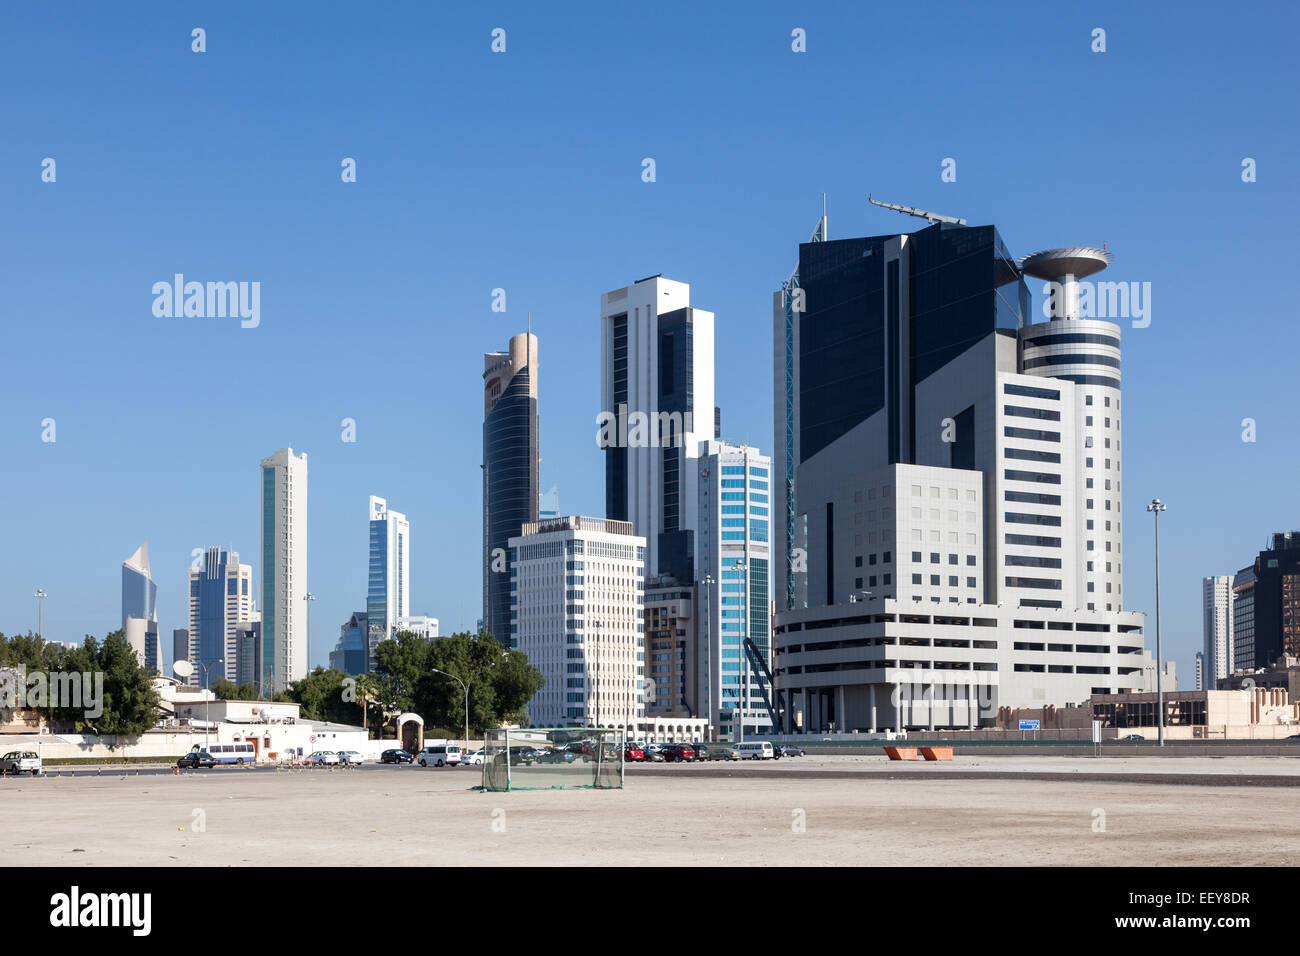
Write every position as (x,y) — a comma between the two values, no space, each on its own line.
(1183,423)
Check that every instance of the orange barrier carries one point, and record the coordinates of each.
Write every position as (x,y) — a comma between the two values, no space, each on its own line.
(936,753)
(901,753)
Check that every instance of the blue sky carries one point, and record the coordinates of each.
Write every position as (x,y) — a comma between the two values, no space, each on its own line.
(522,171)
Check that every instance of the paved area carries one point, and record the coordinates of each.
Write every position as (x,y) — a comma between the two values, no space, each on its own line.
(854,811)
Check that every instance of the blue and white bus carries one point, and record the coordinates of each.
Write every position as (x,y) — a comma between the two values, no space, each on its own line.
(236,753)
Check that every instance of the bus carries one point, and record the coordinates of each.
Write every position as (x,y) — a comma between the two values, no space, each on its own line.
(758,750)
(236,753)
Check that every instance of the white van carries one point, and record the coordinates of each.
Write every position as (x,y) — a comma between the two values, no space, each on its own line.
(439,754)
(758,750)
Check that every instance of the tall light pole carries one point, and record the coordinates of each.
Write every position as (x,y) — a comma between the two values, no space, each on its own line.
(308,597)
(1155,508)
(738,733)
(207,711)
(466,686)
(40,623)
(593,657)
(708,658)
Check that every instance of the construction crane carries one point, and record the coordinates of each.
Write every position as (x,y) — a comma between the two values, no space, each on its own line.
(918,213)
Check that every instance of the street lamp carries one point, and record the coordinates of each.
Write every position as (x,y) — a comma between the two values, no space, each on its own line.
(207,698)
(308,597)
(738,733)
(1155,508)
(40,598)
(466,686)
(708,658)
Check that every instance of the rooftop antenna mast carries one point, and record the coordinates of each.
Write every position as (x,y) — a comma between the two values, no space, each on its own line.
(918,213)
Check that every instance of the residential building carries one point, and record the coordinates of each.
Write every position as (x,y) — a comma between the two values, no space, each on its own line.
(975,456)
(220,601)
(511,462)
(1217,619)
(388,596)
(656,407)
(140,609)
(426,627)
(734,573)
(284,569)
(577,588)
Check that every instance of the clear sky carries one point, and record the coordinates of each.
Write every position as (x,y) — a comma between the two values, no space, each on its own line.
(522,170)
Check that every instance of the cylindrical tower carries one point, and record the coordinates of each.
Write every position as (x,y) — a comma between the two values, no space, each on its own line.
(1087,353)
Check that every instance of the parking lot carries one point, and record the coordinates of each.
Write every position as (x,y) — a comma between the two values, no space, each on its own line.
(818,810)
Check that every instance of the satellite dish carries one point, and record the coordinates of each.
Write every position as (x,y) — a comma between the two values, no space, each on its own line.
(182,668)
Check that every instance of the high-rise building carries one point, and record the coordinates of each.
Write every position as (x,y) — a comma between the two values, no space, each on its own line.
(548,504)
(966,458)
(734,573)
(388,596)
(1243,620)
(511,460)
(248,657)
(656,407)
(1216,627)
(140,609)
(284,570)
(419,624)
(180,645)
(577,587)
(1200,670)
(221,601)
(352,652)
(1276,601)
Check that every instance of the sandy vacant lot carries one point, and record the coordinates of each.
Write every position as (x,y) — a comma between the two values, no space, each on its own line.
(865,812)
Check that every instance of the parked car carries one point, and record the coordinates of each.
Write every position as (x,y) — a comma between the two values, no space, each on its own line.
(439,755)
(1130,738)
(653,753)
(633,753)
(756,750)
(474,759)
(524,755)
(21,761)
(395,756)
(790,750)
(683,753)
(351,757)
(720,752)
(323,758)
(561,755)
(197,759)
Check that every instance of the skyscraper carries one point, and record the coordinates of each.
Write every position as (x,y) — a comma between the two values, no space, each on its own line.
(139,609)
(1243,619)
(734,572)
(284,569)
(956,483)
(1216,601)
(220,603)
(511,461)
(656,407)
(388,596)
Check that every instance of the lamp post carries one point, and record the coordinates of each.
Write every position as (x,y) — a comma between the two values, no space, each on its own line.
(1155,508)
(738,733)
(593,653)
(308,597)
(466,686)
(708,658)
(207,698)
(40,623)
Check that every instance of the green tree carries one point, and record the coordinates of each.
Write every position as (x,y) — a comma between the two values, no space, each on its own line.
(129,703)
(399,665)
(322,698)
(228,690)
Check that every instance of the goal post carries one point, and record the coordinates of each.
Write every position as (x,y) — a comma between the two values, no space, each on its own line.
(553,758)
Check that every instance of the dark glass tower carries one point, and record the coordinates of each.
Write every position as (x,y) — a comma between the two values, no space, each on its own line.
(510,469)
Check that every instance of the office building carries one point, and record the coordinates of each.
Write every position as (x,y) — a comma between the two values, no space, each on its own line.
(672,666)
(140,609)
(1243,621)
(421,625)
(656,407)
(351,655)
(248,655)
(221,600)
(180,646)
(284,570)
(511,460)
(949,445)
(1200,670)
(388,597)
(1216,627)
(548,504)
(1276,601)
(734,573)
(577,586)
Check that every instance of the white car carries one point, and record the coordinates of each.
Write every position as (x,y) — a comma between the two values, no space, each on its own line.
(351,756)
(20,761)
(474,759)
(323,758)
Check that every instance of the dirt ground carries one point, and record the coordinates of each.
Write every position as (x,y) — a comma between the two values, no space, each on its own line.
(867,812)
